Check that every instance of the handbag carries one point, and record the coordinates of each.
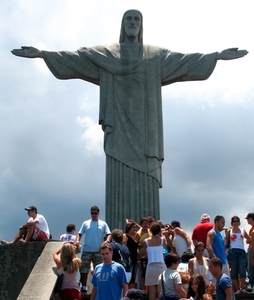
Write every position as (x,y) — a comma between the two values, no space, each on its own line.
(59,281)
(122,259)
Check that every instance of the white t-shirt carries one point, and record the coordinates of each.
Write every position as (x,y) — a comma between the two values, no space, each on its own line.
(68,237)
(42,223)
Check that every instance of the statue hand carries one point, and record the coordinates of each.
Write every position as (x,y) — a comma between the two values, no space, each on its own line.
(231,53)
(29,52)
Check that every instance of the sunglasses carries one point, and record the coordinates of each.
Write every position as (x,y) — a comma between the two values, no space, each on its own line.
(94,213)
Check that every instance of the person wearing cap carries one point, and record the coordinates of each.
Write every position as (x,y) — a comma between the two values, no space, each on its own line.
(180,239)
(36,228)
(200,231)
(133,294)
(250,254)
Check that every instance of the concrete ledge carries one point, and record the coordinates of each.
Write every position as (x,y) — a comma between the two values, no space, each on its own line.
(42,279)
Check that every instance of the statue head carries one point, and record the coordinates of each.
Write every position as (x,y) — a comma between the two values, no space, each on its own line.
(126,31)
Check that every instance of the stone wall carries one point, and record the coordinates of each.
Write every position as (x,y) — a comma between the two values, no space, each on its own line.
(16,262)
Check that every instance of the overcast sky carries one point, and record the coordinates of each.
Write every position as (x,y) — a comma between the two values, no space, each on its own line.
(51,152)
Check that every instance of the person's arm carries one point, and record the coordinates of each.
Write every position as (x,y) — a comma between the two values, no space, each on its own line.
(209,243)
(190,266)
(227,237)
(57,258)
(247,237)
(252,248)
(78,239)
(229,292)
(180,290)
(125,289)
(137,238)
(93,294)
(28,52)
(144,246)
(231,53)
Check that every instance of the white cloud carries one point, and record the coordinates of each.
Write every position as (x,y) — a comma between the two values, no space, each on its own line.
(93,136)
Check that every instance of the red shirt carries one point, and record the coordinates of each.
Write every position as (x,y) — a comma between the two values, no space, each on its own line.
(200,231)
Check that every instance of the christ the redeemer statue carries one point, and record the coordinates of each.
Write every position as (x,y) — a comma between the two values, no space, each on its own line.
(130,75)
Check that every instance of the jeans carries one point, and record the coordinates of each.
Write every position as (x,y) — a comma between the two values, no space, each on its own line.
(237,262)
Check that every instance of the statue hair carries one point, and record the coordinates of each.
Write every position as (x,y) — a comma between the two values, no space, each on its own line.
(122,32)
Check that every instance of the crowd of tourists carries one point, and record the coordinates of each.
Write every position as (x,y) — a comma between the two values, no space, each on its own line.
(150,257)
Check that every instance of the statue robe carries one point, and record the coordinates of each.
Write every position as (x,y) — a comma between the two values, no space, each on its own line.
(131,115)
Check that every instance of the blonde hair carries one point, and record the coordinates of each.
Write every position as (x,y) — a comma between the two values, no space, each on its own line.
(68,258)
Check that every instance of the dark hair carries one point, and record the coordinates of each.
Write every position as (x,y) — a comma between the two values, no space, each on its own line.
(70,227)
(155,228)
(218,218)
(201,287)
(143,220)
(150,219)
(199,244)
(129,225)
(95,208)
(117,235)
(171,258)
(216,262)
(250,216)
(233,218)
(187,255)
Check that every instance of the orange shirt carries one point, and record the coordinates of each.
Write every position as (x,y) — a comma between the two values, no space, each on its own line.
(250,232)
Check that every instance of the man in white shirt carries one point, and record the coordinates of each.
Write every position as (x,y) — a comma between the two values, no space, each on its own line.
(36,228)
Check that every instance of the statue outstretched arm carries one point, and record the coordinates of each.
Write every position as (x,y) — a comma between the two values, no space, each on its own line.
(28,52)
(231,53)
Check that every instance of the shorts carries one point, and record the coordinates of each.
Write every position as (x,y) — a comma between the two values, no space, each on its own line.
(87,258)
(67,294)
(153,272)
(38,235)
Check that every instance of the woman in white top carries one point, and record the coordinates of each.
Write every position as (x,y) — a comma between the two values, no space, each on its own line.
(68,260)
(236,253)
(199,264)
(155,265)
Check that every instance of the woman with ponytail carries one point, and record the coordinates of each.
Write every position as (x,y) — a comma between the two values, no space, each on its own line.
(68,264)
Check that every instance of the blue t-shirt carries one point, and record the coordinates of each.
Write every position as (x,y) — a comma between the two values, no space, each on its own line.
(95,232)
(109,280)
(223,283)
(219,246)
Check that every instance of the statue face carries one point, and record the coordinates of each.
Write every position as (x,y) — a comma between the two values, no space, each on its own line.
(132,23)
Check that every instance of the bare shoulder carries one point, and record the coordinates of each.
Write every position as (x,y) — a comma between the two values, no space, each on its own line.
(207,297)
